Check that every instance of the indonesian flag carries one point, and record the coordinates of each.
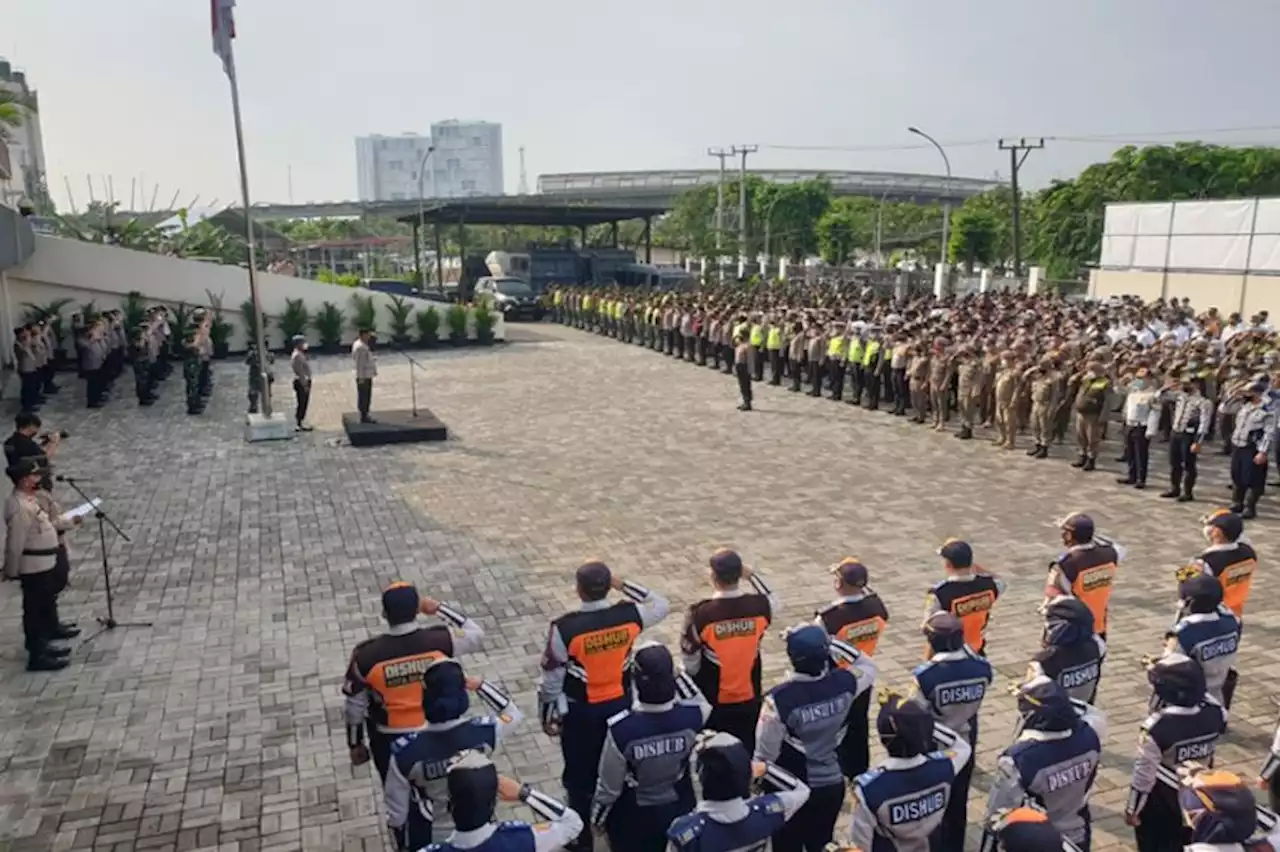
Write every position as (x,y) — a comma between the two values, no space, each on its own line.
(224,30)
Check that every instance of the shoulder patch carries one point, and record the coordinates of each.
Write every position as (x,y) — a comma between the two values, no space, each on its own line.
(867,777)
(399,744)
(686,829)
(618,717)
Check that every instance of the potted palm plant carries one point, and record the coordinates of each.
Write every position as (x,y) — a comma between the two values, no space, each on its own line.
(428,323)
(52,314)
(328,325)
(134,308)
(484,325)
(364,313)
(293,321)
(456,319)
(250,329)
(399,310)
(181,319)
(219,328)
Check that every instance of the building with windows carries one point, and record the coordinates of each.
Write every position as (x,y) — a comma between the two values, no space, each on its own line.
(22,168)
(466,162)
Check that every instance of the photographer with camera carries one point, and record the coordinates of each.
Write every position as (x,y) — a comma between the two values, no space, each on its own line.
(26,442)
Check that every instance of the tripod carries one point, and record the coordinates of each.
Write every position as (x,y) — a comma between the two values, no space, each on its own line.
(108,623)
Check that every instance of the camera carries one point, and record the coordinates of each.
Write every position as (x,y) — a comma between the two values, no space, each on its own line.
(46,437)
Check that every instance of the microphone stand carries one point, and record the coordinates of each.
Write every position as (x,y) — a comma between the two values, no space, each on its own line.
(108,623)
(413,386)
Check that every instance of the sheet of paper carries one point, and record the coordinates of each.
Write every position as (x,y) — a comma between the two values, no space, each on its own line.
(83,510)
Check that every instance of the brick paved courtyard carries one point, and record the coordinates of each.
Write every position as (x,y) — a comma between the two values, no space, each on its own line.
(260,566)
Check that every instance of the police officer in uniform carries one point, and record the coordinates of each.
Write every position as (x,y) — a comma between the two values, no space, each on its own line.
(416,792)
(1222,814)
(801,724)
(644,777)
(474,790)
(1229,559)
(968,593)
(191,375)
(720,645)
(899,805)
(1072,652)
(953,682)
(1250,441)
(1026,829)
(1086,570)
(726,820)
(857,617)
(383,684)
(1053,761)
(584,679)
(1208,633)
(1184,726)
(143,366)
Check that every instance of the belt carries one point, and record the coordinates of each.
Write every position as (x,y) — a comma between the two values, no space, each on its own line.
(53,551)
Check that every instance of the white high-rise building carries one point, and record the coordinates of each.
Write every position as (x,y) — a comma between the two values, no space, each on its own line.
(25,144)
(467,162)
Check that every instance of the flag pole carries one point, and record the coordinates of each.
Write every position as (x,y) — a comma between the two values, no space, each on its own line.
(259,331)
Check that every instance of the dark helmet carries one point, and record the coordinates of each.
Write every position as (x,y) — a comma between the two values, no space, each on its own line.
(809,649)
(944,632)
(1079,525)
(1068,621)
(1230,523)
(1218,807)
(444,691)
(472,781)
(653,673)
(1177,679)
(905,726)
(1045,706)
(1200,593)
(724,768)
(1025,829)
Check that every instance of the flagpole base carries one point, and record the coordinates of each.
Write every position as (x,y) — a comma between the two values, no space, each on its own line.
(259,427)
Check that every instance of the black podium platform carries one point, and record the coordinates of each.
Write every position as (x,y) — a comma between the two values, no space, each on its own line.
(394,427)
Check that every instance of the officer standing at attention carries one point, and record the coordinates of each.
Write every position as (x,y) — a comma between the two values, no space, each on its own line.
(366,367)
(1090,407)
(756,338)
(416,793)
(968,593)
(301,381)
(835,360)
(1053,762)
(1184,726)
(1072,653)
(720,645)
(953,683)
(899,805)
(796,350)
(773,343)
(968,380)
(856,617)
(1192,422)
(584,678)
(1208,633)
(1086,570)
(817,351)
(644,779)
(1222,814)
(474,789)
(726,820)
(383,684)
(1229,559)
(801,724)
(742,355)
(1250,442)
(143,366)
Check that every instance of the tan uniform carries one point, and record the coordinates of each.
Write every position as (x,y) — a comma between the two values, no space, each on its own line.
(919,378)
(968,386)
(1044,388)
(1090,408)
(939,389)
(1006,392)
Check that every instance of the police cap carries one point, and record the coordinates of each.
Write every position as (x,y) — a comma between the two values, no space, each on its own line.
(1025,830)
(957,552)
(1079,525)
(400,602)
(851,572)
(22,469)
(1231,524)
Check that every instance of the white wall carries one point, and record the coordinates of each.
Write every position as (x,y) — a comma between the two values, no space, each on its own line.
(87,271)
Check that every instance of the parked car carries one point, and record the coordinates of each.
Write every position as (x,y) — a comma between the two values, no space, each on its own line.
(510,296)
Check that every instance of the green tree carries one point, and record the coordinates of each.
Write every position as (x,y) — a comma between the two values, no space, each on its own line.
(13,111)
(972,238)
(789,214)
(846,226)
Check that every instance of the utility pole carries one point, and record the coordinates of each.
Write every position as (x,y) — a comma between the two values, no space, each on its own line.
(743,150)
(1018,153)
(721,154)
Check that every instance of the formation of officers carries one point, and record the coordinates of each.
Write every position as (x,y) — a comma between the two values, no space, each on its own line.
(775,765)
(1057,371)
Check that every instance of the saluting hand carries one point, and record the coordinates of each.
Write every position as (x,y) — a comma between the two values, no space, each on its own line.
(474,683)
(508,789)
(428,606)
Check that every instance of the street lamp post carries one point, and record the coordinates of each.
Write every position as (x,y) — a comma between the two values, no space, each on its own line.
(946,204)
(422,217)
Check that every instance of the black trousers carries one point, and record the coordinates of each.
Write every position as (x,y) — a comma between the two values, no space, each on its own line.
(796,369)
(380,749)
(815,378)
(30,390)
(744,382)
(364,396)
(39,609)
(632,828)
(857,381)
(950,834)
(581,742)
(900,390)
(1161,828)
(737,719)
(1182,463)
(854,751)
(95,386)
(875,386)
(836,380)
(811,828)
(302,390)
(46,378)
(1137,452)
(757,361)
(775,366)
(1248,480)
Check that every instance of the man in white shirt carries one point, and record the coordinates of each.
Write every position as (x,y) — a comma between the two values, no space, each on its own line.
(366,367)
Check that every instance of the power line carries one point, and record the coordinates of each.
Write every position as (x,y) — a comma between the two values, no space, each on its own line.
(1018,153)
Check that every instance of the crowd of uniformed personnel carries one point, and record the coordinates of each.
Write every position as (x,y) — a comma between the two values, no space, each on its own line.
(1057,371)
(775,765)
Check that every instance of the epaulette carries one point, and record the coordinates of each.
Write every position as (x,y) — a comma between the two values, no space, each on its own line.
(618,717)
(399,744)
(867,777)
(686,829)
(771,804)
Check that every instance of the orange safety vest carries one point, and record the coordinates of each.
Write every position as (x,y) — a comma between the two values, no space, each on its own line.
(1233,567)
(1091,571)
(859,623)
(970,599)
(727,633)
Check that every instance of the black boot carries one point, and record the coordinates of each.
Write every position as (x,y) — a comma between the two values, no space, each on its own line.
(1034,451)
(966,433)
(1251,505)
(1124,480)
(46,663)
(1089,464)
(1080,462)
(1186,496)
(1044,452)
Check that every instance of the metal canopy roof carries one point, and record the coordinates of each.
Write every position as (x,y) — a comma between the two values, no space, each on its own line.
(526,210)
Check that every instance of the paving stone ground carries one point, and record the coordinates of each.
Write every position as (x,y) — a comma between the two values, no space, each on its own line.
(260,567)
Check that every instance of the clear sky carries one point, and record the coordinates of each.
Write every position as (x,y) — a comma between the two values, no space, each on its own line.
(132,90)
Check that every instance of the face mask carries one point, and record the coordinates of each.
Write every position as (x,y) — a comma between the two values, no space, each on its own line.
(1207,532)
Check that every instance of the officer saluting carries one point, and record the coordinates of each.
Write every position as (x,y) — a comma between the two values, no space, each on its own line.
(1086,570)
(1053,761)
(857,617)
(953,683)
(801,724)
(1184,726)
(383,684)
(720,644)
(1250,442)
(899,805)
(1229,559)
(1208,633)
(644,778)
(584,679)
(968,593)
(726,820)
(1072,653)
(416,792)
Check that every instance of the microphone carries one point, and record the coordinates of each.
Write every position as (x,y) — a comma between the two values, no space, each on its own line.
(67,479)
